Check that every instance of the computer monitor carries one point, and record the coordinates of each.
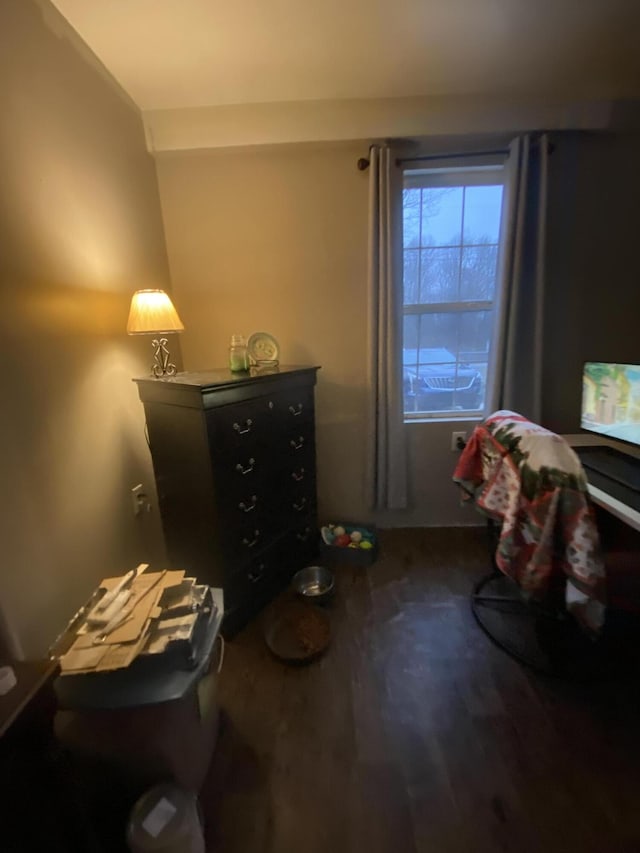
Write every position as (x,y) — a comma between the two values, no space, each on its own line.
(611,400)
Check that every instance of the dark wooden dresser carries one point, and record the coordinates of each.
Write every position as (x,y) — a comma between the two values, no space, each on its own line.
(234,462)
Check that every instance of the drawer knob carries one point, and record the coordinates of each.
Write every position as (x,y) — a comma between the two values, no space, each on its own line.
(297,445)
(296,410)
(241,430)
(304,535)
(250,543)
(251,505)
(255,574)
(248,468)
(300,505)
(298,475)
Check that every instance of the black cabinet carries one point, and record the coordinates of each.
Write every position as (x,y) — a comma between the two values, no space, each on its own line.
(234,461)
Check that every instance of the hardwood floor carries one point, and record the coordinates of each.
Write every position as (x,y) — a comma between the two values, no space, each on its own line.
(414,733)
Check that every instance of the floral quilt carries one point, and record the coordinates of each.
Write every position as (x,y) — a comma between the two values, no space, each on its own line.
(530,481)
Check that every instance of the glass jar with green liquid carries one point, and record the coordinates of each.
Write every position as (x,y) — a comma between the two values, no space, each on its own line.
(238,354)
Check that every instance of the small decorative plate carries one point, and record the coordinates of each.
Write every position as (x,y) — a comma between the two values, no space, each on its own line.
(263,347)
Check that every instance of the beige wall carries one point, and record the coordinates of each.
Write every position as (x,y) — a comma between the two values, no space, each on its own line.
(80,229)
(275,239)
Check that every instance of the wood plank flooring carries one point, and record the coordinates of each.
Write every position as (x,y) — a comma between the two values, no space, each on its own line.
(414,733)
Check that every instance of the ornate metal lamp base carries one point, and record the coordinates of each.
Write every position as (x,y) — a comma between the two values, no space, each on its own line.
(161,365)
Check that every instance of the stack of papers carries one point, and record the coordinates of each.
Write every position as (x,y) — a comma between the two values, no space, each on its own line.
(138,613)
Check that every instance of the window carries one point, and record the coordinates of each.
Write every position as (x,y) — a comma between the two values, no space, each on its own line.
(451,234)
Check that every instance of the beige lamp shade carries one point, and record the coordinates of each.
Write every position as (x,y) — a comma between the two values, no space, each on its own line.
(152,311)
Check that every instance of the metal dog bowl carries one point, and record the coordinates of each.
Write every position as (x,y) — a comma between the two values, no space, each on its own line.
(315,584)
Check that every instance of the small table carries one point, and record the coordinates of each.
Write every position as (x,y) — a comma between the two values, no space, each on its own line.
(34,689)
(156,719)
(39,809)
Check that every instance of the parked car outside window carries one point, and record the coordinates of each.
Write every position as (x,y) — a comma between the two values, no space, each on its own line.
(438,384)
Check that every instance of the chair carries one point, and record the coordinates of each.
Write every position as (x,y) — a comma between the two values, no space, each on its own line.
(543,603)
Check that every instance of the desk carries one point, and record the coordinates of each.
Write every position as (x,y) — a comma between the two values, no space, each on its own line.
(625,513)
(600,495)
(619,529)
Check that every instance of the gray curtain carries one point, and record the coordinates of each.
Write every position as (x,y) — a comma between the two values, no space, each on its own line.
(386,463)
(518,346)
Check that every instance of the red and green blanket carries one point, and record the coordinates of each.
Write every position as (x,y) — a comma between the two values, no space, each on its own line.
(530,481)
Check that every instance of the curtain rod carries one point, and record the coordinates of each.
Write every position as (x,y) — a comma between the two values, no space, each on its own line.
(363,162)
(495,152)
(453,156)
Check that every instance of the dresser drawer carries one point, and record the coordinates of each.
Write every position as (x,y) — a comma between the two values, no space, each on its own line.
(247,580)
(258,518)
(293,408)
(244,541)
(254,423)
(300,544)
(259,480)
(275,565)
(245,426)
(296,448)
(295,502)
(294,458)
(249,468)
(246,509)
(244,471)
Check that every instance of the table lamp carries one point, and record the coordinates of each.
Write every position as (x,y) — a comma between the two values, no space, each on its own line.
(152,313)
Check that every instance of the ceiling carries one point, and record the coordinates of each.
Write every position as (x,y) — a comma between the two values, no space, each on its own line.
(169,54)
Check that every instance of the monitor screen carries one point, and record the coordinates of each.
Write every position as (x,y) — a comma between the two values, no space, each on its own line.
(611,400)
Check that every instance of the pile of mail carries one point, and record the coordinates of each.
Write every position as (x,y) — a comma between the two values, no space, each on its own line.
(135,615)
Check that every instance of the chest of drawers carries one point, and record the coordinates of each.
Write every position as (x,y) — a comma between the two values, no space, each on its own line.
(234,462)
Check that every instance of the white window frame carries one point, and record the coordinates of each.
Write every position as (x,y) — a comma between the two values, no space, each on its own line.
(443,172)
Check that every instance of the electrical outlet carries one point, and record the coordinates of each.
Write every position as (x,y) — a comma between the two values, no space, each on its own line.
(458,441)
(138,499)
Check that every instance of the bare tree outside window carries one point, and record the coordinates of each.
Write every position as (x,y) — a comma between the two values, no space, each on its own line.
(450,245)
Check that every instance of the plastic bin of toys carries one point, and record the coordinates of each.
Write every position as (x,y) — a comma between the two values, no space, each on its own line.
(348,543)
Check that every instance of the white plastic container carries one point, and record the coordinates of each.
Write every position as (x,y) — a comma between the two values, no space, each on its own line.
(166,820)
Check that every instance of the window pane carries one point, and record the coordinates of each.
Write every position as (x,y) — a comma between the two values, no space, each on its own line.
(410,360)
(451,233)
(438,337)
(482,208)
(441,216)
(439,274)
(410,277)
(410,339)
(474,333)
(448,370)
(445,337)
(473,399)
(478,277)
(411,217)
